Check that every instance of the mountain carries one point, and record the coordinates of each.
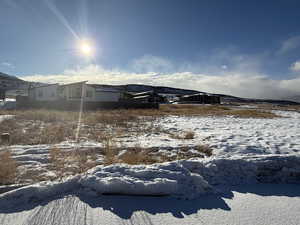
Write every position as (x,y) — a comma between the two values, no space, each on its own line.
(229,98)
(8,82)
(4,76)
(158,89)
(295,98)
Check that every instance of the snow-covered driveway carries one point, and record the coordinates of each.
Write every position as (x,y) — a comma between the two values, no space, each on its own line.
(247,205)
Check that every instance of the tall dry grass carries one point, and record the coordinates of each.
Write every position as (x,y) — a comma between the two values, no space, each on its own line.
(8,168)
(65,163)
(32,133)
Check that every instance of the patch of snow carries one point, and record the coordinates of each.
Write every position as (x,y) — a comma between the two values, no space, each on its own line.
(247,106)
(5,117)
(10,104)
(228,135)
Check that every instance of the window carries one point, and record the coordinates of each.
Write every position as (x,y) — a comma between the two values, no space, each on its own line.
(77,93)
(89,94)
(40,93)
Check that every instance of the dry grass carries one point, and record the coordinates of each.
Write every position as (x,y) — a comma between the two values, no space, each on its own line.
(216,110)
(83,160)
(55,133)
(278,107)
(138,155)
(58,161)
(47,116)
(187,135)
(200,110)
(50,126)
(32,133)
(8,168)
(65,163)
(116,118)
(205,149)
(253,113)
(31,176)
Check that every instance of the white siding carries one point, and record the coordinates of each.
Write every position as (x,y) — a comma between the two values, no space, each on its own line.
(46,93)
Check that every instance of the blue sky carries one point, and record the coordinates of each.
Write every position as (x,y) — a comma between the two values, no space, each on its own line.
(166,38)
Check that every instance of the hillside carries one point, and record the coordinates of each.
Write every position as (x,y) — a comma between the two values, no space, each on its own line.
(8,82)
(4,76)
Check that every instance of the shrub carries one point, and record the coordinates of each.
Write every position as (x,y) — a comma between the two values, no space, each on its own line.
(189,135)
(58,161)
(185,135)
(204,149)
(55,133)
(138,155)
(110,151)
(83,160)
(8,168)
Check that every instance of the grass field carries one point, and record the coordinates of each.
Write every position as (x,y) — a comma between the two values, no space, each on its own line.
(34,127)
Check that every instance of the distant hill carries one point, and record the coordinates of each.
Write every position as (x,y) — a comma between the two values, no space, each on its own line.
(158,89)
(229,98)
(8,82)
(4,76)
(13,85)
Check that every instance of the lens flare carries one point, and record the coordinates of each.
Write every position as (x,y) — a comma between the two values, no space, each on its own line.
(85,48)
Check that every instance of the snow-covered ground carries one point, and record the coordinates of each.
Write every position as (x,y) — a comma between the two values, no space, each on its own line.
(246,152)
(186,179)
(5,117)
(229,135)
(8,103)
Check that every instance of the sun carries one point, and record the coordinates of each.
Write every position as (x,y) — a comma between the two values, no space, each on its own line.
(85,48)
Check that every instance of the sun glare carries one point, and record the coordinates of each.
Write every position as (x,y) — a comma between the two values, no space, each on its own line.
(85,48)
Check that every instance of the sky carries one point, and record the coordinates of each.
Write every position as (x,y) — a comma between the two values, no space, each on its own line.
(243,48)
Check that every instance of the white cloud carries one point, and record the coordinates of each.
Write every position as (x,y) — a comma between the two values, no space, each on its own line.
(295,66)
(233,83)
(150,63)
(289,45)
(224,67)
(7,64)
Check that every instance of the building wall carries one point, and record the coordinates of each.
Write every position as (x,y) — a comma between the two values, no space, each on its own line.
(46,93)
(92,94)
(73,92)
(103,96)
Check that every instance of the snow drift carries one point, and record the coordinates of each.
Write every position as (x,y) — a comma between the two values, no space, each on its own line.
(183,179)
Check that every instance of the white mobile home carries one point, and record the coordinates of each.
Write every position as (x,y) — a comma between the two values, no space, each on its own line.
(89,92)
(44,93)
(74,92)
